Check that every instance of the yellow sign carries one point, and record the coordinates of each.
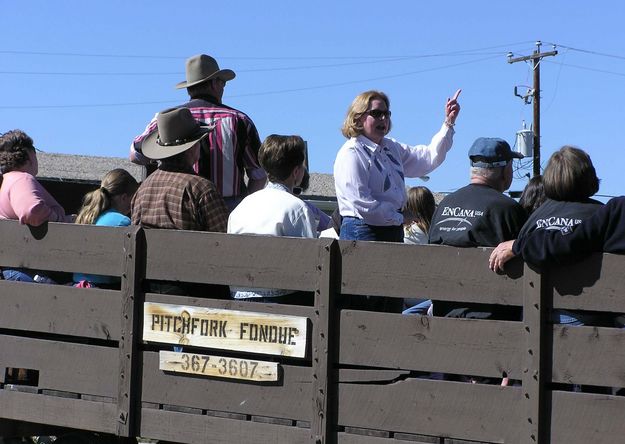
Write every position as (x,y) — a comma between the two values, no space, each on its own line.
(225,329)
(218,366)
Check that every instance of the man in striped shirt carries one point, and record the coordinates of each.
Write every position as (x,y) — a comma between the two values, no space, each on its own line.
(231,149)
(175,197)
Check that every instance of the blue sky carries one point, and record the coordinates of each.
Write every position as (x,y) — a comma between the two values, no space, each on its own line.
(84,78)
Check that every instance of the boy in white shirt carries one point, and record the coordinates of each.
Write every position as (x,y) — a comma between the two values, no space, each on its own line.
(275,211)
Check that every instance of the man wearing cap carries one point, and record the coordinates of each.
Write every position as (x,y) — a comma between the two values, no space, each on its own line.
(480,215)
(174,196)
(231,149)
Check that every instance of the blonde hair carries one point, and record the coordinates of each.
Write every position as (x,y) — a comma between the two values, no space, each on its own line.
(115,183)
(420,207)
(352,126)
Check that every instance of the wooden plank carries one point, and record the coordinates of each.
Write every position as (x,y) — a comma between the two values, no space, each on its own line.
(435,408)
(459,346)
(589,355)
(225,329)
(59,309)
(367,432)
(290,398)
(129,360)
(536,364)
(218,366)
(62,247)
(78,368)
(180,427)
(252,261)
(349,438)
(594,284)
(579,418)
(63,412)
(324,347)
(232,304)
(427,271)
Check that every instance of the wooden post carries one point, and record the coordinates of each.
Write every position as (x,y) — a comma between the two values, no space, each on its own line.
(325,345)
(536,57)
(129,397)
(536,368)
(536,161)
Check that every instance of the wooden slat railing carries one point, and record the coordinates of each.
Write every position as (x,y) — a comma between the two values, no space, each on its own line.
(364,373)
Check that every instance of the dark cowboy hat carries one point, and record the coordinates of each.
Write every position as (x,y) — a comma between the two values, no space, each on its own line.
(201,68)
(177,131)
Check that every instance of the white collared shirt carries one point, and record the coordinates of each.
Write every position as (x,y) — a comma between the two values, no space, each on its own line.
(272,211)
(369,178)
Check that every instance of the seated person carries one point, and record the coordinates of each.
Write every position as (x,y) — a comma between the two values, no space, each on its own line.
(275,211)
(533,195)
(22,197)
(417,218)
(174,197)
(569,181)
(107,206)
(480,215)
(418,215)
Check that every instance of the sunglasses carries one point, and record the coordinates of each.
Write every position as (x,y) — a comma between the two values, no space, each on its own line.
(378,113)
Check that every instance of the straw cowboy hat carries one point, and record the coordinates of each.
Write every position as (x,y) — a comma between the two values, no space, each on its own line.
(177,132)
(201,68)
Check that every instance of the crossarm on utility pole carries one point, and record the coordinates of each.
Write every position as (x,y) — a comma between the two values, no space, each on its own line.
(536,57)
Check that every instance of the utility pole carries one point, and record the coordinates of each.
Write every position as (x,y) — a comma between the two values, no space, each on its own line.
(536,57)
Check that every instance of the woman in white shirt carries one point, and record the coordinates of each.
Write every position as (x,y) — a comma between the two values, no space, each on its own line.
(370,168)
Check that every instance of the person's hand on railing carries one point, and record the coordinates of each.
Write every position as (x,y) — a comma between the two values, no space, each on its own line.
(500,255)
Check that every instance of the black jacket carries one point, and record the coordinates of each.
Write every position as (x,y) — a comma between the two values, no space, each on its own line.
(602,232)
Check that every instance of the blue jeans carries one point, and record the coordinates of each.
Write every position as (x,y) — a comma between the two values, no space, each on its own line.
(567,318)
(25,275)
(576,318)
(353,228)
(16,275)
(421,308)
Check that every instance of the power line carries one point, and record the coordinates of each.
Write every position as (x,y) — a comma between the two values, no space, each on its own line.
(92,105)
(351,82)
(283,91)
(287,68)
(338,57)
(587,51)
(604,71)
(555,89)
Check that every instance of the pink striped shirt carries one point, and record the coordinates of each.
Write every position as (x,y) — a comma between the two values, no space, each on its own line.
(232,146)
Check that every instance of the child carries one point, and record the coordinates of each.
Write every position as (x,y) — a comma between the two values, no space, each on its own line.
(275,211)
(107,206)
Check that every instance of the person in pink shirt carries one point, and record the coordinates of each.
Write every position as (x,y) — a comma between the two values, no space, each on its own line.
(21,196)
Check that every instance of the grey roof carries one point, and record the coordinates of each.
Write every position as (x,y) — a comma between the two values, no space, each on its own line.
(93,169)
(321,186)
(83,168)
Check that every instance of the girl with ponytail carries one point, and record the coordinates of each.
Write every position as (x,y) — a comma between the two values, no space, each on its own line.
(108,206)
